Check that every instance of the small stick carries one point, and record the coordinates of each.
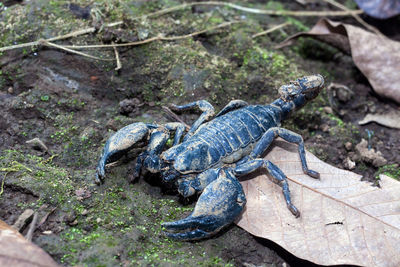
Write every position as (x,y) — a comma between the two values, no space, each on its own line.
(119,65)
(346,12)
(32,227)
(47,43)
(3,181)
(254,10)
(175,117)
(155,38)
(277,27)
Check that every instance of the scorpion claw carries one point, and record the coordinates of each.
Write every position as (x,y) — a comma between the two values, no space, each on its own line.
(192,235)
(219,205)
(119,143)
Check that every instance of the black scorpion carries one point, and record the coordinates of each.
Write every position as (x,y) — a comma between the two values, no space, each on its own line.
(214,152)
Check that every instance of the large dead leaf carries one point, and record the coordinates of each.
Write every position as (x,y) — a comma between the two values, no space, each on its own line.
(16,251)
(378,58)
(343,220)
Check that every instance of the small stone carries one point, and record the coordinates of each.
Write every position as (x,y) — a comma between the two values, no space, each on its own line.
(348,146)
(10,90)
(123,195)
(349,164)
(325,128)
(370,155)
(128,106)
(70,217)
(75,222)
(85,212)
(47,232)
(328,110)
(98,220)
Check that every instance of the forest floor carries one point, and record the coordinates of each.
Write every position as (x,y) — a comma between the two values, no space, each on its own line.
(73,104)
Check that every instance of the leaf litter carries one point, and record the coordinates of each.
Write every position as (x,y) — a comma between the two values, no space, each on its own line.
(343,220)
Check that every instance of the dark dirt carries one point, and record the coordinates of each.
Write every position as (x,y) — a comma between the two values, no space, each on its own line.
(73,104)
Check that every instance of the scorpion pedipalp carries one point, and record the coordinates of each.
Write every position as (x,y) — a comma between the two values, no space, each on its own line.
(219,205)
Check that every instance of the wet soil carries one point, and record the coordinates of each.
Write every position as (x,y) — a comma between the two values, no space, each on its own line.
(73,104)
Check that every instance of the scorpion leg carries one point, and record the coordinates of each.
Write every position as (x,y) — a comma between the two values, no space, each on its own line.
(234,104)
(276,173)
(220,204)
(120,143)
(203,105)
(289,136)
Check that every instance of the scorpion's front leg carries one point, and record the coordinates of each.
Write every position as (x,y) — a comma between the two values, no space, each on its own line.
(288,136)
(220,204)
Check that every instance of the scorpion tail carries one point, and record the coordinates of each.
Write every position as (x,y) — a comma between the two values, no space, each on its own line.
(120,143)
(220,204)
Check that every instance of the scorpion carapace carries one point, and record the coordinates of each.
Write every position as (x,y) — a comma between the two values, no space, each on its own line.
(213,153)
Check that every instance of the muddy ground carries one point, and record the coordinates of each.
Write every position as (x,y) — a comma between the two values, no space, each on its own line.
(72,104)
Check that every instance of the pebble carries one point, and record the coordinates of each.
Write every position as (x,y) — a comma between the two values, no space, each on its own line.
(348,146)
(328,110)
(349,164)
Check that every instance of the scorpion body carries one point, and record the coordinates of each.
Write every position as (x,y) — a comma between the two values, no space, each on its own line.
(214,153)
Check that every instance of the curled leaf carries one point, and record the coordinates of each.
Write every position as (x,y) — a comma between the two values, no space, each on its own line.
(343,220)
(378,58)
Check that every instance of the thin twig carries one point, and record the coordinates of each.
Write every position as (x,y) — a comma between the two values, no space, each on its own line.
(3,181)
(32,227)
(60,37)
(356,17)
(187,5)
(277,27)
(155,38)
(119,65)
(50,44)
(254,10)
(174,116)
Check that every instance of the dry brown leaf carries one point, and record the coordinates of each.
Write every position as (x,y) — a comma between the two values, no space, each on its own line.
(16,251)
(378,58)
(343,220)
(390,119)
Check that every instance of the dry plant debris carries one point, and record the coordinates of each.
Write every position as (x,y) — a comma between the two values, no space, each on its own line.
(378,58)
(343,220)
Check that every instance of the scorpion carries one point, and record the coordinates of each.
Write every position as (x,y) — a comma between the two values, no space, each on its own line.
(214,153)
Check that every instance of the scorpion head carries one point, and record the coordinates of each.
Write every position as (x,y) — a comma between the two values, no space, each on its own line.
(308,87)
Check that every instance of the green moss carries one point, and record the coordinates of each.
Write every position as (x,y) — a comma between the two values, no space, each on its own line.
(391,170)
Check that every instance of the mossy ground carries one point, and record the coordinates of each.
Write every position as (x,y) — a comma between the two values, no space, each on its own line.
(71,104)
